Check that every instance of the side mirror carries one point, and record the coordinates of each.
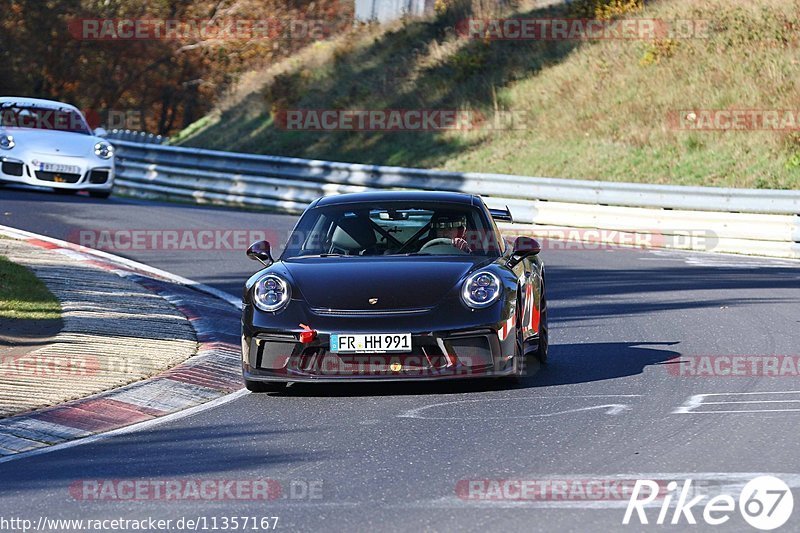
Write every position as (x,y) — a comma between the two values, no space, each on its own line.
(523,247)
(261,252)
(100,132)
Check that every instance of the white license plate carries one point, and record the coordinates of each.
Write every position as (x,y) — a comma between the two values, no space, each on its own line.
(371,343)
(58,167)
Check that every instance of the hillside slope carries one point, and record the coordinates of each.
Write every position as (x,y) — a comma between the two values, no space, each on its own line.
(601,109)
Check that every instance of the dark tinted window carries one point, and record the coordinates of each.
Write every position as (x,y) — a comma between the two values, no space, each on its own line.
(393,229)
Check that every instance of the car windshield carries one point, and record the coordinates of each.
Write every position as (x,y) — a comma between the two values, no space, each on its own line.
(42,118)
(402,229)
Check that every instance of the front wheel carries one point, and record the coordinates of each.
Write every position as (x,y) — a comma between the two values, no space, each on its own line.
(264,386)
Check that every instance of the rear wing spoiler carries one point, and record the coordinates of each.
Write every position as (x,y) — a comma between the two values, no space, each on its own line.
(501,215)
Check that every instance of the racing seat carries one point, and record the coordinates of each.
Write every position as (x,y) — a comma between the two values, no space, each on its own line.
(355,236)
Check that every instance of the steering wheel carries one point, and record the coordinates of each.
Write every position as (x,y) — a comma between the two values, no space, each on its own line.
(438,242)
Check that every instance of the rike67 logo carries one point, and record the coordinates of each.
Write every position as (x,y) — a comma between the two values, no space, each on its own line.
(765,503)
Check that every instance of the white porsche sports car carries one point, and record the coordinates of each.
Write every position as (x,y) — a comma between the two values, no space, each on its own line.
(50,144)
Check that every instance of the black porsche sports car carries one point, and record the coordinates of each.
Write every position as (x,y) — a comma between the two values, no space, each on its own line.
(394,286)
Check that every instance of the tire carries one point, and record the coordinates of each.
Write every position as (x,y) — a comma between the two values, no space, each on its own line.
(520,361)
(100,194)
(544,337)
(264,386)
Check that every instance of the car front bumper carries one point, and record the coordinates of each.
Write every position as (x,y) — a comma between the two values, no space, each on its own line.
(474,352)
(90,176)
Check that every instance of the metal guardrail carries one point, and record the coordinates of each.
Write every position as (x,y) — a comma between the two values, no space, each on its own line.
(289,184)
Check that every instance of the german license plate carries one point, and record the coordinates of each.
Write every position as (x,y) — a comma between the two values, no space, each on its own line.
(371,343)
(59,168)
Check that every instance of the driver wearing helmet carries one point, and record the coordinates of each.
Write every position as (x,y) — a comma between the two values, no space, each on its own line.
(453,228)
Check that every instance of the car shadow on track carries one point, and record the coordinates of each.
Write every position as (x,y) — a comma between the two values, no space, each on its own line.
(568,364)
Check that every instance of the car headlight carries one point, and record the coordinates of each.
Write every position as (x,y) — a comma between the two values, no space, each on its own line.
(481,290)
(271,293)
(7,142)
(103,150)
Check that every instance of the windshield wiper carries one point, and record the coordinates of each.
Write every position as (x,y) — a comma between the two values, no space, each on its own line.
(321,255)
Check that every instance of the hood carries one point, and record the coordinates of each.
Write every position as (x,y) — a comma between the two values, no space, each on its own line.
(397,283)
(65,143)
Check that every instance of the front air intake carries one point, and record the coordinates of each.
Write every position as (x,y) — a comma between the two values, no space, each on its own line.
(58,177)
(98,176)
(12,169)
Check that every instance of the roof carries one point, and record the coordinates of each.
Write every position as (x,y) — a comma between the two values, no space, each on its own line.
(35,102)
(398,196)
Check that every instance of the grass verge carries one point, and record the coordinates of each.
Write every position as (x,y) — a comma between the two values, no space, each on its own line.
(23,296)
